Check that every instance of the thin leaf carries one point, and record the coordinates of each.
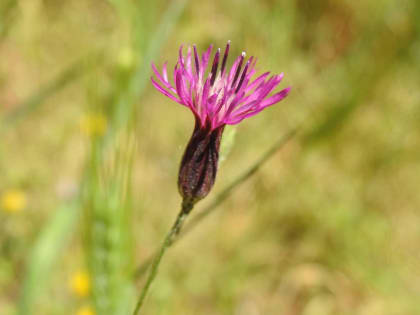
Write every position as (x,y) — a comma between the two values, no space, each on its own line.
(45,253)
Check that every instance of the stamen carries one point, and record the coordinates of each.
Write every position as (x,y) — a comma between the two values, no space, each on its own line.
(214,68)
(243,75)
(238,70)
(225,57)
(197,63)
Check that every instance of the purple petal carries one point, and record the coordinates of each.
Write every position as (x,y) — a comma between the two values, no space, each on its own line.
(244,74)
(243,112)
(268,87)
(251,106)
(166,93)
(205,59)
(165,71)
(204,98)
(275,98)
(181,56)
(237,119)
(234,67)
(188,63)
(256,82)
(181,88)
(175,72)
(225,56)
(197,61)
(222,100)
(210,105)
(234,103)
(257,92)
(162,79)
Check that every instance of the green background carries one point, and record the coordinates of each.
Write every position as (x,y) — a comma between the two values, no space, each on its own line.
(329,225)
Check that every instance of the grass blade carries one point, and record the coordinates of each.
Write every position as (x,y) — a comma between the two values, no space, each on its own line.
(45,252)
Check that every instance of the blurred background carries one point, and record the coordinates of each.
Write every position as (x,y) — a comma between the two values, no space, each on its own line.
(89,155)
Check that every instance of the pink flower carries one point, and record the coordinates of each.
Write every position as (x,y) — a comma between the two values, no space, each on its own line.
(217,98)
(220,97)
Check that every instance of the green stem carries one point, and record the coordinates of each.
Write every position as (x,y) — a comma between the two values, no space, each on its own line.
(169,239)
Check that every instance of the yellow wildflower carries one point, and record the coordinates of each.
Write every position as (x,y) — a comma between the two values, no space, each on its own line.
(93,125)
(80,283)
(85,310)
(13,200)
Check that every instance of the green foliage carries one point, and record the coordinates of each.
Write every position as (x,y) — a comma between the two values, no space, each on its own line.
(108,230)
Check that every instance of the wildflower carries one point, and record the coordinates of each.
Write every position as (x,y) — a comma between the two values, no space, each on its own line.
(93,125)
(13,200)
(221,97)
(80,283)
(85,310)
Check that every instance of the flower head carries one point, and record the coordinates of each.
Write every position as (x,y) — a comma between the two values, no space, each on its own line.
(217,96)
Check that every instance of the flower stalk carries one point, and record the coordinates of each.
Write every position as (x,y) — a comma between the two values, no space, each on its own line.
(169,239)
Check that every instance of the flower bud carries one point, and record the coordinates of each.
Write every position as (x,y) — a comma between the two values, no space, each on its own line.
(198,168)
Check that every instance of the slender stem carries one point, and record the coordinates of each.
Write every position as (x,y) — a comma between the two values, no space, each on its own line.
(169,239)
(224,194)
